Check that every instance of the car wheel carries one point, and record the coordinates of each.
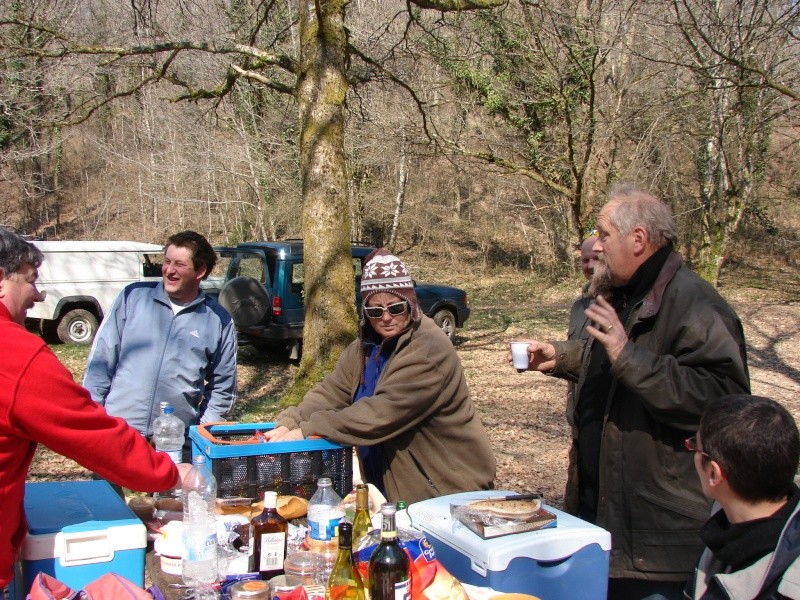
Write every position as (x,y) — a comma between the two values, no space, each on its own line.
(446,320)
(247,301)
(77,326)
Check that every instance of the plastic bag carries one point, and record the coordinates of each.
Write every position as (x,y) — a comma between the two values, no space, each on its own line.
(429,579)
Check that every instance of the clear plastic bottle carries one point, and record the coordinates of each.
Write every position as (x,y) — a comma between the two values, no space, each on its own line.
(199,489)
(325,511)
(344,582)
(168,433)
(168,438)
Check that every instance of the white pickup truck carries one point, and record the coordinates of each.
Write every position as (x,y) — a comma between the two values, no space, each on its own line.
(82,279)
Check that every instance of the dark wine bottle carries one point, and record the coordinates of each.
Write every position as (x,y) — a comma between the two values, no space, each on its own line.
(269,539)
(389,565)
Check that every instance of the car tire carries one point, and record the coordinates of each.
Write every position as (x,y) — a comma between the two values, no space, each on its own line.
(446,321)
(247,301)
(77,326)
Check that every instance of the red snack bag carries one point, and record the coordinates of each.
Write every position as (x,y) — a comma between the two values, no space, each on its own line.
(415,544)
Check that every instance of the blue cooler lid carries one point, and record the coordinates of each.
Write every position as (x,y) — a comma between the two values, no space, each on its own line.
(55,506)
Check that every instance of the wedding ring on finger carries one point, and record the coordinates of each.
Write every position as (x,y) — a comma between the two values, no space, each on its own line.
(609,328)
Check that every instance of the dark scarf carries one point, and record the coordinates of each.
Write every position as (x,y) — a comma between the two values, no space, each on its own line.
(739,545)
(597,385)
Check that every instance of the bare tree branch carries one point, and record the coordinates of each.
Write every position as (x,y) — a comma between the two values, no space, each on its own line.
(456,5)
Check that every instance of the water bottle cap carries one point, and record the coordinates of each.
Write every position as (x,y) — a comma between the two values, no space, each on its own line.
(322,481)
(168,410)
(199,459)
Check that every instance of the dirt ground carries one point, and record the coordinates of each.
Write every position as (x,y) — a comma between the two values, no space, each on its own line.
(523,413)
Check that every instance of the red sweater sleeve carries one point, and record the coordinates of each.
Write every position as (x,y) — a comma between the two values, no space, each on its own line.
(52,409)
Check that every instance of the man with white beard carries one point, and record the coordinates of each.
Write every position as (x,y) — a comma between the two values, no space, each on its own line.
(662,344)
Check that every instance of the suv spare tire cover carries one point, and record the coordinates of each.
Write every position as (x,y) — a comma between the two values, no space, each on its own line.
(247,300)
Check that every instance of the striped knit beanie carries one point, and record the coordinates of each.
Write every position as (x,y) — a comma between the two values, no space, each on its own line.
(384,272)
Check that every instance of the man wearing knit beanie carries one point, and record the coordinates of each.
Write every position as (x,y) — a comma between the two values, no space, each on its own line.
(398,393)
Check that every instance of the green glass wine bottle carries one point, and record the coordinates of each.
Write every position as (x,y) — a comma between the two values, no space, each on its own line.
(361,521)
(344,582)
(389,565)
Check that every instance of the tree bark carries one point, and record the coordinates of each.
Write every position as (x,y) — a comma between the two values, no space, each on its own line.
(330,317)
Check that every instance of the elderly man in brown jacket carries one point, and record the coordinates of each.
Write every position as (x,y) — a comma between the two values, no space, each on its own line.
(399,394)
(662,344)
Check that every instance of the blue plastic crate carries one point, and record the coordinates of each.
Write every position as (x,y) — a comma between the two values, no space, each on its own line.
(290,468)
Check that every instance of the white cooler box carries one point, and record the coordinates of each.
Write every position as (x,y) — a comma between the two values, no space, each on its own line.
(567,562)
(78,531)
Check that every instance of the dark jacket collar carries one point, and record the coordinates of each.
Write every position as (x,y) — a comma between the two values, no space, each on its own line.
(652,300)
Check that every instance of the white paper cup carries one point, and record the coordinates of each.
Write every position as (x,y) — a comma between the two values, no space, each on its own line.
(519,355)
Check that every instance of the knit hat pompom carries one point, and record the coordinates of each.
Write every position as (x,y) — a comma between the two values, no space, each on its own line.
(384,272)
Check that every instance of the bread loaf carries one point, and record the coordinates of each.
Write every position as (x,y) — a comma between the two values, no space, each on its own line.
(507,509)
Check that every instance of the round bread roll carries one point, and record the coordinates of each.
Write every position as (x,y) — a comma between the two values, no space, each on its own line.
(508,509)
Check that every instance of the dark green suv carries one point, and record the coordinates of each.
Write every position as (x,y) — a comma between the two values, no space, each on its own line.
(263,290)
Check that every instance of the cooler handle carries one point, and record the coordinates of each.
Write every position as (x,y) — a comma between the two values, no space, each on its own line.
(479,569)
(85,547)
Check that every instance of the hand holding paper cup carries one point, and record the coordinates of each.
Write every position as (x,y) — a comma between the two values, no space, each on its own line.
(519,355)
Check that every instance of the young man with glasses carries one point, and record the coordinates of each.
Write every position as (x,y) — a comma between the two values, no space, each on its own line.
(399,394)
(746,454)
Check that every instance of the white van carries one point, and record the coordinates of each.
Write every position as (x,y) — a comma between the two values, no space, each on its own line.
(82,279)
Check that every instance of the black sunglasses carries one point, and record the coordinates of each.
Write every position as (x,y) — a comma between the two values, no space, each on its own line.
(376,312)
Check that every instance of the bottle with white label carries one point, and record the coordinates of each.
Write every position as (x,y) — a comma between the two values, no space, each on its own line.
(199,564)
(325,511)
(270,538)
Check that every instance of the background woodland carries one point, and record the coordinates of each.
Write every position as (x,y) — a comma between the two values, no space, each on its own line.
(483,139)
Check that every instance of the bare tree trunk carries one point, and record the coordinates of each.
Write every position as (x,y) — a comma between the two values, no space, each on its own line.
(402,181)
(330,316)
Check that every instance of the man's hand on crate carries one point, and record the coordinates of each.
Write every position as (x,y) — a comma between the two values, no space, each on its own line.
(284,434)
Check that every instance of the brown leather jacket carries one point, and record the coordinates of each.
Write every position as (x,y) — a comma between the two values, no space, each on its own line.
(686,346)
(422,413)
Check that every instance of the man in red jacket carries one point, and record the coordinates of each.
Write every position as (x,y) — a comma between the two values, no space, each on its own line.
(40,402)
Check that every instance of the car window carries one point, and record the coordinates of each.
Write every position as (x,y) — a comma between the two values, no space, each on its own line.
(298,277)
(250,265)
(221,268)
(151,266)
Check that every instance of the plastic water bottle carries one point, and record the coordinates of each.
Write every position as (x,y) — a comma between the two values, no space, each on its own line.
(168,433)
(325,510)
(199,564)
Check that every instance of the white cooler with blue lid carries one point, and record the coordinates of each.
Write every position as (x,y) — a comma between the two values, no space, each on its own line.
(569,561)
(78,531)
